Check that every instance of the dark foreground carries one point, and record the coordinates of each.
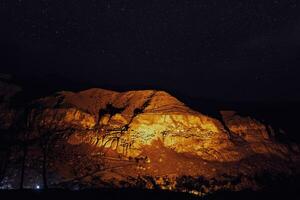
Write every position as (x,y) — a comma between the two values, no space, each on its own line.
(285,188)
(275,193)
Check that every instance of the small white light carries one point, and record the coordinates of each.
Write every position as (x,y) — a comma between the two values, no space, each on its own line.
(37,187)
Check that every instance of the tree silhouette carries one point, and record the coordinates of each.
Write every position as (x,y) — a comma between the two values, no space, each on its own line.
(24,156)
(45,140)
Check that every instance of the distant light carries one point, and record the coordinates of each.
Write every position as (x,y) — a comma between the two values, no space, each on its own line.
(37,187)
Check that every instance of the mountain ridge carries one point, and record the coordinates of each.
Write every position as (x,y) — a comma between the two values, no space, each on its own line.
(148,137)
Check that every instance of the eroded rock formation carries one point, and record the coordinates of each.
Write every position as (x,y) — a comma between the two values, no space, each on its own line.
(150,139)
(129,121)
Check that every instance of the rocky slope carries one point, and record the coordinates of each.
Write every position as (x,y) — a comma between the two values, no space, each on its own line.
(147,139)
(7,114)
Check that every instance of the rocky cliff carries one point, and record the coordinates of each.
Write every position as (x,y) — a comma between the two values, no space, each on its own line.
(147,139)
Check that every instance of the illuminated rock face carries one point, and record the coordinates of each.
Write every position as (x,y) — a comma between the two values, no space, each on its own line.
(255,134)
(136,119)
(192,133)
(151,138)
(130,121)
(62,119)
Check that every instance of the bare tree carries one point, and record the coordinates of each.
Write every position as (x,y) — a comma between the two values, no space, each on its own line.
(45,141)
(4,155)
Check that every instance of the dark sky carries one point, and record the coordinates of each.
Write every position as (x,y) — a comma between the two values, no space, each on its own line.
(233,50)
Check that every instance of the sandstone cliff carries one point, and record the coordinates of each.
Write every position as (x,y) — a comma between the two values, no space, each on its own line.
(149,139)
(129,121)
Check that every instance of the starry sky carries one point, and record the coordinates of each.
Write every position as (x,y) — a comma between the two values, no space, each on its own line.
(229,50)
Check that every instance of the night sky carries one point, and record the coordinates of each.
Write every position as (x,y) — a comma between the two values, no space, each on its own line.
(229,50)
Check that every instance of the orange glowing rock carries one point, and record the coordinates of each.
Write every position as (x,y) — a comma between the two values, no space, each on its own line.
(129,121)
(159,136)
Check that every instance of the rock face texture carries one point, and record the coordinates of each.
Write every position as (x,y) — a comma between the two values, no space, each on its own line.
(148,139)
(129,121)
